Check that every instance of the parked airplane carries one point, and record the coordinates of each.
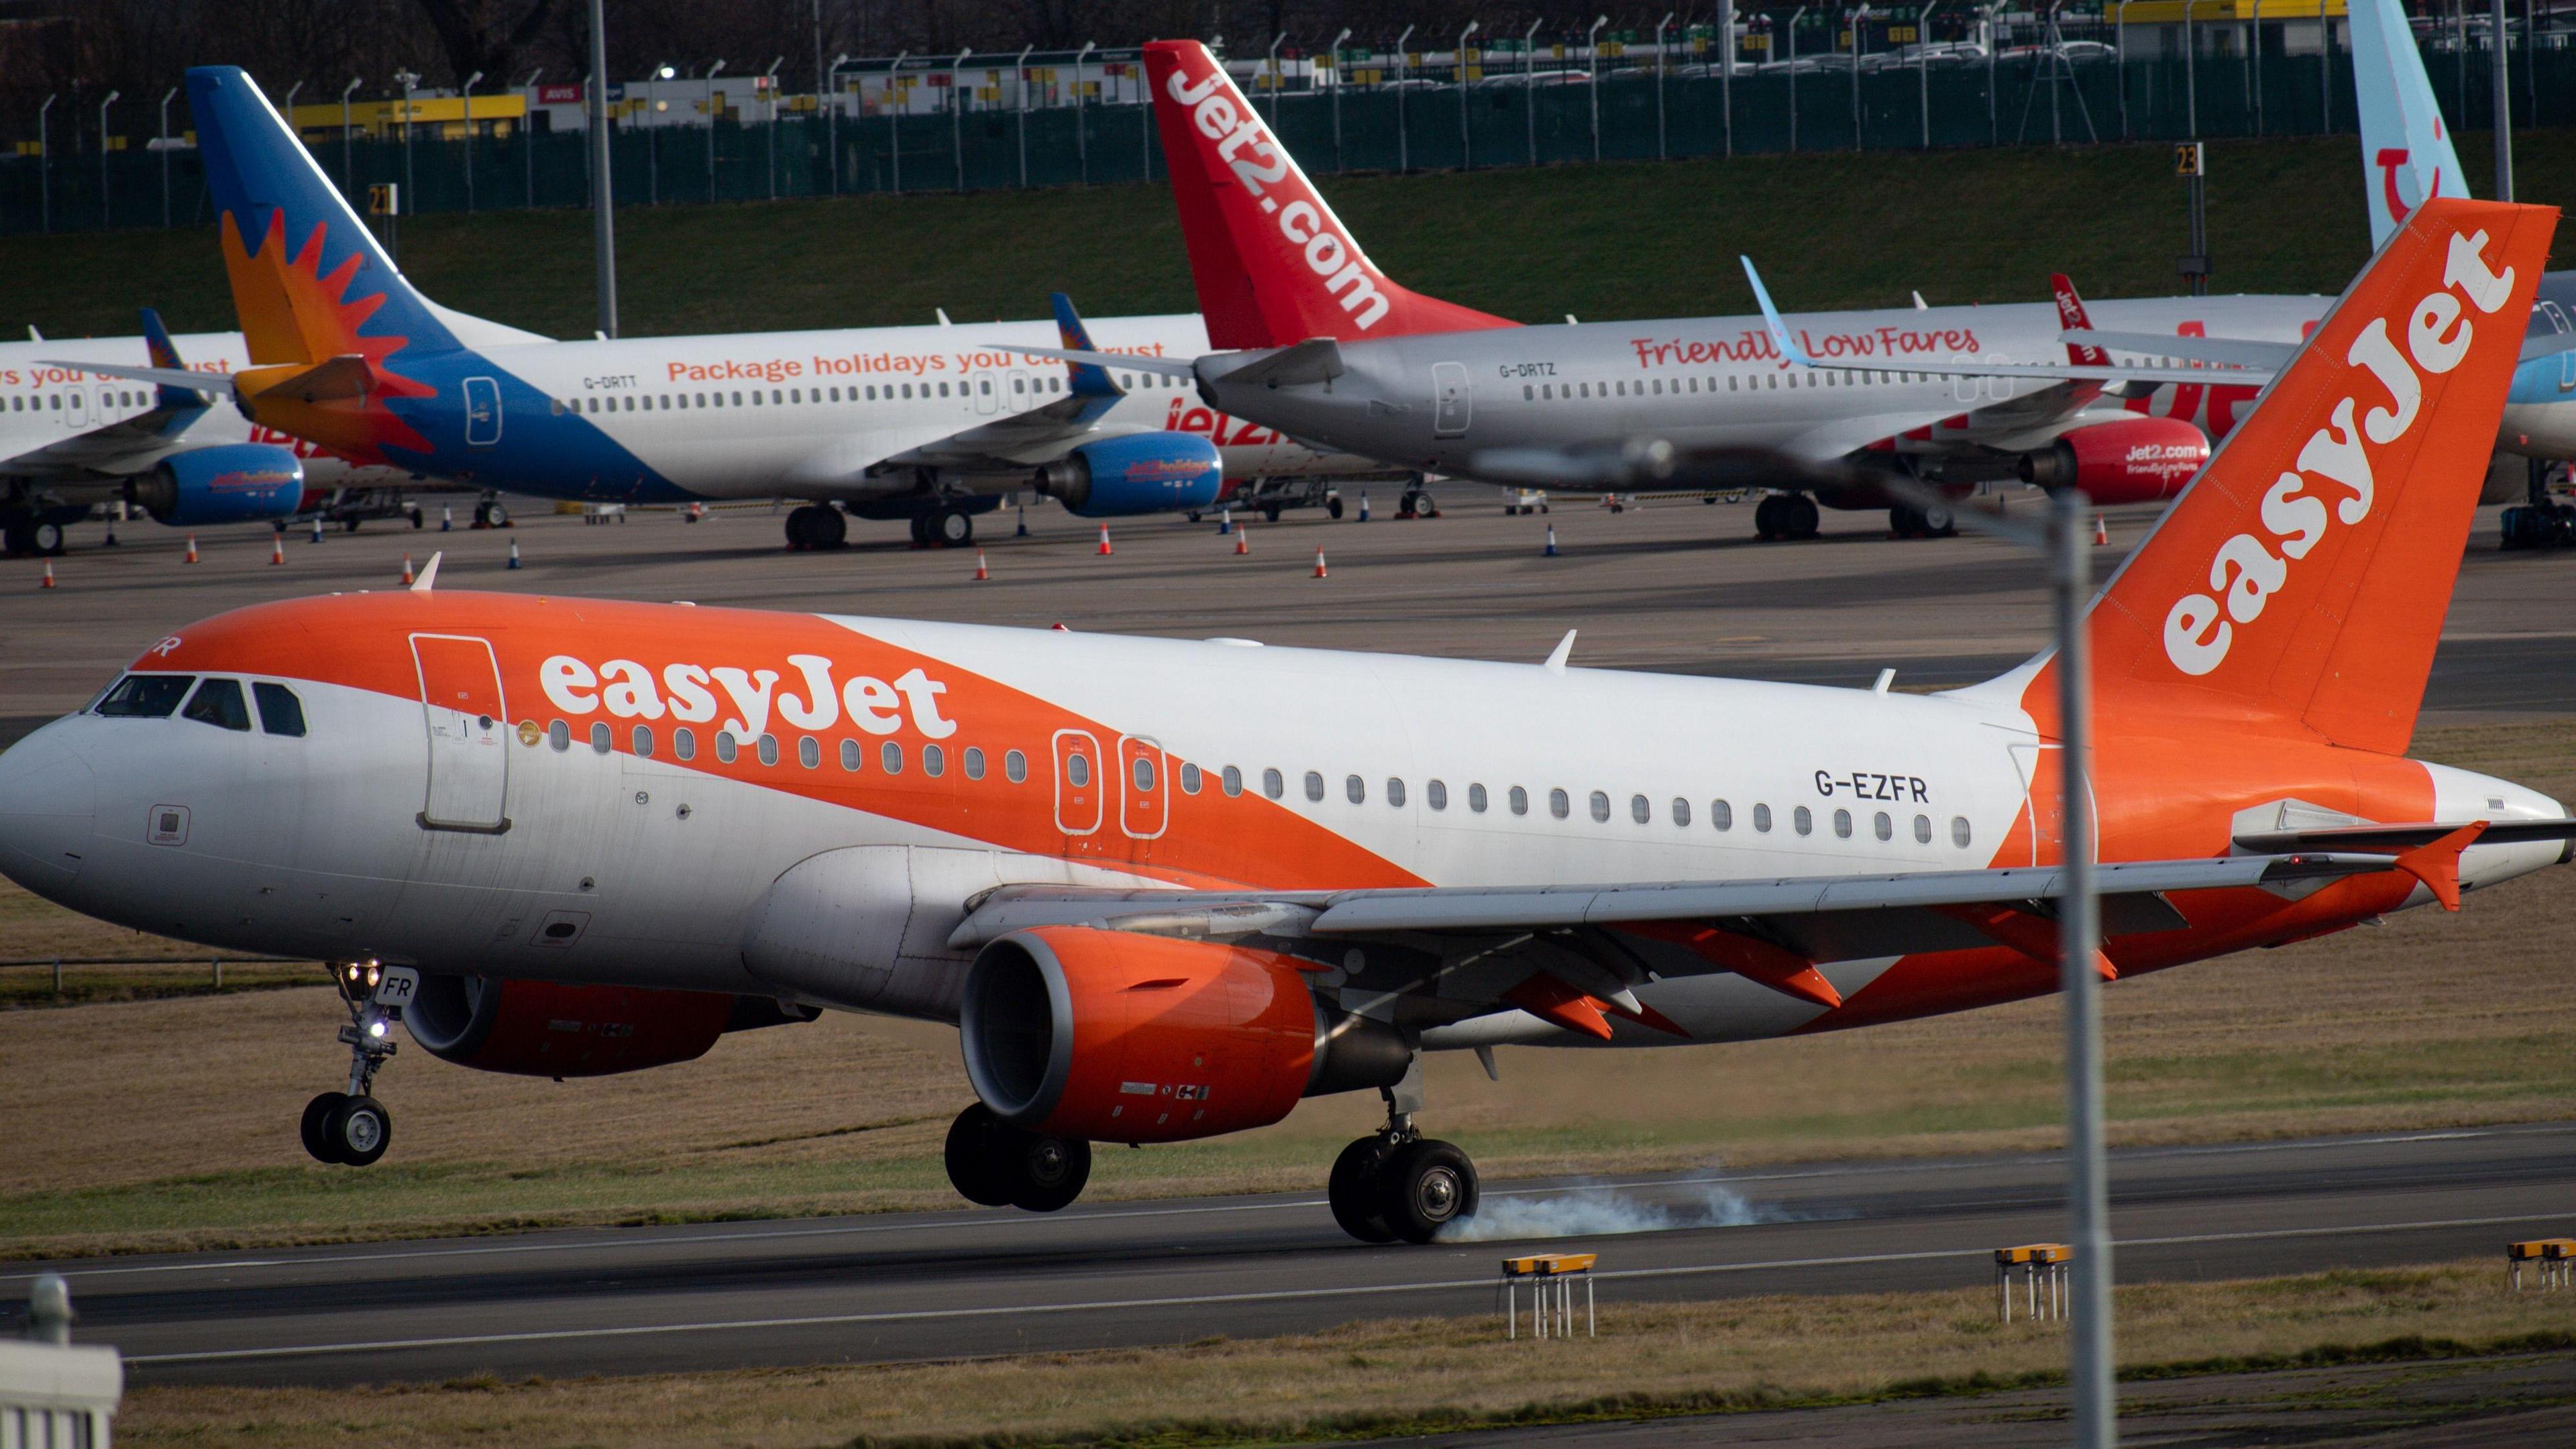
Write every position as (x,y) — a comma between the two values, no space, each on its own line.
(72,438)
(893,422)
(1168,888)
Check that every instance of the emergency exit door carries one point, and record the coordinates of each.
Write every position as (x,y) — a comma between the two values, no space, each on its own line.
(1452,405)
(468,724)
(1144,796)
(482,412)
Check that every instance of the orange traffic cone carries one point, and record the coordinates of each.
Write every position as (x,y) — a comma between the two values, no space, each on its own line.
(407,573)
(49,576)
(2101,532)
(1319,563)
(192,550)
(981,573)
(1242,539)
(277,548)
(1104,540)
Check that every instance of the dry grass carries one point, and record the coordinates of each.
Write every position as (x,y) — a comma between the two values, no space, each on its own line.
(188,1106)
(1411,1375)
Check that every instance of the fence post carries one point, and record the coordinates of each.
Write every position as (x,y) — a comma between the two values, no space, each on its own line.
(894,120)
(1726,72)
(1020,78)
(1923,66)
(44,166)
(468,96)
(1661,151)
(165,158)
(106,212)
(1082,115)
(1403,140)
(1793,78)
(348,175)
(528,138)
(957,118)
(1466,138)
(1592,59)
(2120,54)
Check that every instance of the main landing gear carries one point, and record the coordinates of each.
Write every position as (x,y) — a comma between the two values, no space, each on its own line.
(943,528)
(1785,515)
(1934,522)
(1398,1185)
(352,1128)
(817,526)
(996,1164)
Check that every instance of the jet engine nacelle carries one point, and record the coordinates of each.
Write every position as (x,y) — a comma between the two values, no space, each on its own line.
(1136,473)
(2133,460)
(228,483)
(549,1029)
(1120,1037)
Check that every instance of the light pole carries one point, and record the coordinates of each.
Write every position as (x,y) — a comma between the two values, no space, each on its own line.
(714,114)
(165,156)
(1923,66)
(602,190)
(410,194)
(1020,78)
(2503,104)
(652,133)
(1859,26)
(1403,146)
(468,96)
(1662,153)
(1793,77)
(894,118)
(1726,72)
(1275,38)
(1082,114)
(1338,73)
(2256,30)
(1466,142)
(348,173)
(44,166)
(1529,84)
(832,114)
(772,88)
(2191,72)
(106,213)
(528,136)
(1592,57)
(957,117)
(2120,54)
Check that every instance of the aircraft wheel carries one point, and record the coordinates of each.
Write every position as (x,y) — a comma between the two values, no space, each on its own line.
(1332,507)
(1353,1191)
(349,525)
(1048,1172)
(1940,522)
(1425,1186)
(47,538)
(835,527)
(1801,516)
(359,1130)
(1270,511)
(974,1155)
(416,519)
(1905,522)
(1766,517)
(316,1127)
(953,527)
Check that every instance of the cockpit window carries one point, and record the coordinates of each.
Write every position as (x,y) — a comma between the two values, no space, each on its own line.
(280,712)
(145,696)
(219,702)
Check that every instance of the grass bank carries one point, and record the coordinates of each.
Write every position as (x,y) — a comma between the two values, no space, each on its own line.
(1419,1375)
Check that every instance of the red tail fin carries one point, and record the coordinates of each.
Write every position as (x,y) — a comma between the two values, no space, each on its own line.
(1274,266)
(2071,318)
(2299,585)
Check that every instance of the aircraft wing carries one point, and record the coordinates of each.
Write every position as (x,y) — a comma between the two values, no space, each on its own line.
(130,445)
(1570,954)
(1042,434)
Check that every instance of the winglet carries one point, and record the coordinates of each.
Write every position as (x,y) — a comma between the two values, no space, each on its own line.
(1563,651)
(429,574)
(2437,863)
(157,346)
(1771,318)
(1089,379)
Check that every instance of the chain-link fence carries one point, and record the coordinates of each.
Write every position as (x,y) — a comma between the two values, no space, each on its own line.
(1499,118)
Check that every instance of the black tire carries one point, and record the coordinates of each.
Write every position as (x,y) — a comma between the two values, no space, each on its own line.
(317,1126)
(800,529)
(1270,512)
(953,527)
(1424,1187)
(976,1142)
(1904,522)
(482,515)
(416,519)
(1049,1172)
(1192,516)
(1332,507)
(48,539)
(360,1129)
(349,525)
(1766,516)
(1803,517)
(835,530)
(1353,1191)
(1940,522)
(921,530)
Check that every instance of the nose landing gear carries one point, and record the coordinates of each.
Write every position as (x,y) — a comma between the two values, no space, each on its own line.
(995,1164)
(1397,1185)
(351,1128)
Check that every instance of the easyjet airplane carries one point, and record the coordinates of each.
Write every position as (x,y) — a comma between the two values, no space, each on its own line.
(1167,888)
(917,423)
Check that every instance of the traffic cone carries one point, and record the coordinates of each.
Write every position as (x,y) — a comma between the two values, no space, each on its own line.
(1104,540)
(446,518)
(111,529)
(1023,530)
(514,553)
(697,511)
(1551,542)
(277,548)
(1243,540)
(981,573)
(1363,507)
(1224,522)
(192,550)
(317,529)
(1319,563)
(407,573)
(49,575)
(2101,533)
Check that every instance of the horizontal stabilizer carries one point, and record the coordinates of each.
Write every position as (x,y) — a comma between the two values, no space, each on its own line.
(2223,351)
(1315,360)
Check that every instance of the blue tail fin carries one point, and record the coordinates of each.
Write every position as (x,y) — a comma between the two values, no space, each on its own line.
(1090,379)
(2406,155)
(156,345)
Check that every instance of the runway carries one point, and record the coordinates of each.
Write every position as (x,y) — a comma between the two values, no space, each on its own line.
(939,1285)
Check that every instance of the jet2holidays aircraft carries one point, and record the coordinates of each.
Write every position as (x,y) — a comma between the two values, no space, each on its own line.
(913,423)
(1167,888)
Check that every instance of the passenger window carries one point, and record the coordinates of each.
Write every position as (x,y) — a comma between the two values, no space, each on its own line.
(943,389)
(890,759)
(601,742)
(809,753)
(1015,766)
(1681,811)
(219,702)
(1314,785)
(1231,781)
(559,736)
(796,394)
(1395,792)
(1476,798)
(1762,819)
(1437,794)
(1142,773)
(872,394)
(1600,804)
(1356,788)
(1273,784)
(280,712)
(1842,825)
(725,746)
(144,696)
(934,761)
(643,742)
(1959,831)
(907,391)
(850,755)
(684,743)
(974,763)
(773,394)
(1802,822)
(1189,779)
(1559,804)
(1721,815)
(1640,810)
(1884,827)
(1520,800)
(768,748)
(1923,830)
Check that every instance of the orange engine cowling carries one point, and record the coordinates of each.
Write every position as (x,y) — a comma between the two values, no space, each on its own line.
(549,1029)
(1120,1037)
(2132,460)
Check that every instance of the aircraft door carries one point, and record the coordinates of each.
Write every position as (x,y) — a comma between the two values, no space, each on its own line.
(75,407)
(482,412)
(1453,405)
(987,389)
(2044,799)
(1144,796)
(1024,391)
(1078,786)
(468,723)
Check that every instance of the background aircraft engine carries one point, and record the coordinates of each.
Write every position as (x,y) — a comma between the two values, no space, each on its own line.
(548,1029)
(1137,473)
(1121,1037)
(231,483)
(2134,460)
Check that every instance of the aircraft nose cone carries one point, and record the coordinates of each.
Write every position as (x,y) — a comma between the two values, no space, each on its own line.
(48,799)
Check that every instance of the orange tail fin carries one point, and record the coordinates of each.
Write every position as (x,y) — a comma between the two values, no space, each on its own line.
(2299,585)
(1273,265)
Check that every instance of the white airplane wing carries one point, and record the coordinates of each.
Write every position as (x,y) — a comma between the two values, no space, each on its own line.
(1042,434)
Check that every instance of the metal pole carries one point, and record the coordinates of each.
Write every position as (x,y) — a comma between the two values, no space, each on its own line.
(1023,83)
(2460,54)
(1275,38)
(1529,84)
(772,78)
(603,204)
(1082,114)
(410,198)
(106,212)
(1726,71)
(715,114)
(1403,141)
(1338,76)
(1923,67)
(1994,43)
(894,120)
(1466,141)
(831,100)
(165,157)
(2191,74)
(653,135)
(2120,54)
(1661,152)
(348,173)
(957,117)
(468,96)
(2257,33)
(821,76)
(1859,19)
(2095,1400)
(2325,72)
(2503,106)
(1592,58)
(528,135)
(1793,77)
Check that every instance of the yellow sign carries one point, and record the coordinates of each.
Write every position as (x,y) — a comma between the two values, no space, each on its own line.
(2188,160)
(384,199)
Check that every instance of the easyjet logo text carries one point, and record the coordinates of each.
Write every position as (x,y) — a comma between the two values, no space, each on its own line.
(1258,165)
(2335,465)
(810,700)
